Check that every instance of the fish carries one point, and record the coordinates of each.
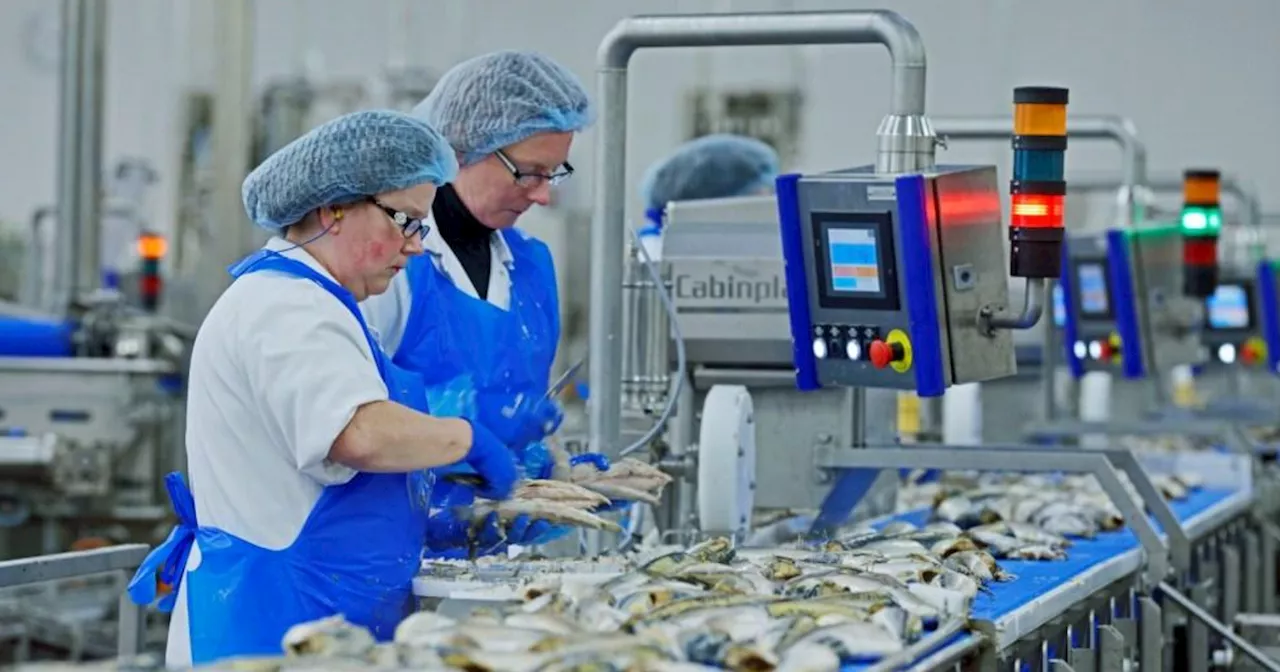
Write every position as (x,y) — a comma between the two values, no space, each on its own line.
(943,548)
(720,650)
(958,510)
(978,564)
(538,509)
(621,491)
(1022,532)
(1036,552)
(898,528)
(854,642)
(331,637)
(780,568)
(715,549)
(809,657)
(559,491)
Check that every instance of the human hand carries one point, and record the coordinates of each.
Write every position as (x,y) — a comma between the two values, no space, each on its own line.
(493,462)
(525,420)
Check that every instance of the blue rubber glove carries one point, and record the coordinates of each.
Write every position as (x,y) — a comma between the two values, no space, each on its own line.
(597,460)
(601,463)
(520,421)
(449,536)
(493,462)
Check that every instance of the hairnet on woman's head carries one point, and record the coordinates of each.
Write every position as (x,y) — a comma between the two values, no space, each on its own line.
(498,99)
(713,166)
(344,160)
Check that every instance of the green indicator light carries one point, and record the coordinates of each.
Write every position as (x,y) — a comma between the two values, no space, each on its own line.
(1198,220)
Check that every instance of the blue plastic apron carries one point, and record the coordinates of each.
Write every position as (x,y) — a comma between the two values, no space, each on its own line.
(356,555)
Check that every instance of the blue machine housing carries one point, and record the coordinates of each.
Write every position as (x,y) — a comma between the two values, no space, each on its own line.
(911,268)
(1269,311)
(1126,306)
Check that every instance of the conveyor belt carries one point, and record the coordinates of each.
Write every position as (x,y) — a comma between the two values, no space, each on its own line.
(1045,589)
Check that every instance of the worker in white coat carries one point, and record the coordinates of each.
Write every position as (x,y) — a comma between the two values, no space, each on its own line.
(307,448)
(478,315)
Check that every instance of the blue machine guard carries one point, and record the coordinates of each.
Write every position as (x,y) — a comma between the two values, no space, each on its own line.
(797,280)
(1126,308)
(1270,313)
(922,296)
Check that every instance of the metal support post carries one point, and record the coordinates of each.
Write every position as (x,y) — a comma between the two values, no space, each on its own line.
(1151,641)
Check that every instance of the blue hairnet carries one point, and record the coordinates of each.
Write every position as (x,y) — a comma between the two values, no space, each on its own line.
(356,155)
(713,166)
(492,101)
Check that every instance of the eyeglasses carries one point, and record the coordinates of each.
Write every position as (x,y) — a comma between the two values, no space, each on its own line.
(408,225)
(530,180)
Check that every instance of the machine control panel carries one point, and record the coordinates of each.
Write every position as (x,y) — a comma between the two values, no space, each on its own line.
(886,276)
(1089,307)
(1232,332)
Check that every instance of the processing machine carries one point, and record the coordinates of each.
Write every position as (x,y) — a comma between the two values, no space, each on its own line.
(892,284)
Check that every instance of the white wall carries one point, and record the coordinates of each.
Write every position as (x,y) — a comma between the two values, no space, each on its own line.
(1199,79)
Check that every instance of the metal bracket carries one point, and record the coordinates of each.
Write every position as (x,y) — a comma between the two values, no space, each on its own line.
(987,458)
(1178,541)
(1194,611)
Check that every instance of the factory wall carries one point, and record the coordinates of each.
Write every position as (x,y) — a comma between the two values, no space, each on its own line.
(1196,77)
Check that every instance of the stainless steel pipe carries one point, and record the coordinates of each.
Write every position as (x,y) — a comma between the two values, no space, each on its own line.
(79,172)
(906,142)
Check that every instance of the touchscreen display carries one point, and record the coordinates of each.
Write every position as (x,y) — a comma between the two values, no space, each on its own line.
(1228,308)
(854,258)
(1093,289)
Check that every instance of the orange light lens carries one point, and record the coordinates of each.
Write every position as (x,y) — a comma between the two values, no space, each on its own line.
(1200,190)
(151,246)
(1039,119)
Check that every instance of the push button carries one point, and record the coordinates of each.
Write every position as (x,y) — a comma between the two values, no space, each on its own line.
(884,353)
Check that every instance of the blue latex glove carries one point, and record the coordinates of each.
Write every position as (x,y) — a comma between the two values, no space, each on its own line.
(493,462)
(520,422)
(448,535)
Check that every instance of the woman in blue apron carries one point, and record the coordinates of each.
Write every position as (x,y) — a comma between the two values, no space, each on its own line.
(350,197)
(478,315)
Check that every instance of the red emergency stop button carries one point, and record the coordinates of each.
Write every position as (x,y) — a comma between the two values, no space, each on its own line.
(883,354)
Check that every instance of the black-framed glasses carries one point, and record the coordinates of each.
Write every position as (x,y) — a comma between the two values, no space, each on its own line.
(408,225)
(530,180)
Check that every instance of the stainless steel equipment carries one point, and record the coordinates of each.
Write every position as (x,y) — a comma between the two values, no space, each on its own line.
(718,310)
(906,141)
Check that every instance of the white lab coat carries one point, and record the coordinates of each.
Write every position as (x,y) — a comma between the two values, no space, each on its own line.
(278,369)
(388,313)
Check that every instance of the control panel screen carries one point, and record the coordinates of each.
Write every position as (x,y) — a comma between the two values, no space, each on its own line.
(854,259)
(1092,278)
(1228,308)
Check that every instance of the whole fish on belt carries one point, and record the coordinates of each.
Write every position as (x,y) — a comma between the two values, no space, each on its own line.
(854,642)
(1003,546)
(877,588)
(958,510)
(1023,532)
(898,528)
(981,565)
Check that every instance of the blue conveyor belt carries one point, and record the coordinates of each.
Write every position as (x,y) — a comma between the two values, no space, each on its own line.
(1038,578)
(33,337)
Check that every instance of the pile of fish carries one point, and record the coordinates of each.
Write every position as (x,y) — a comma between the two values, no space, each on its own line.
(560,502)
(860,598)
(1024,516)
(571,495)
